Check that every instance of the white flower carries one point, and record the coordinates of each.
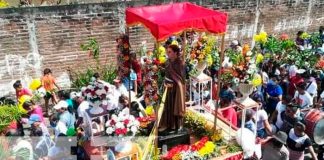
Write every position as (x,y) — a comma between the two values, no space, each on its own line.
(236,80)
(120,125)
(134,129)
(83,89)
(114,117)
(101,86)
(253,66)
(131,118)
(110,130)
(105,102)
(249,53)
(88,95)
(108,123)
(250,71)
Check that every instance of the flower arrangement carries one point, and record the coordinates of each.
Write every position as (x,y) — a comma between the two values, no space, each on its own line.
(151,87)
(203,149)
(95,93)
(203,52)
(122,125)
(303,59)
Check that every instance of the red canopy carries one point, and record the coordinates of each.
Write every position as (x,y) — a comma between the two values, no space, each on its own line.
(165,20)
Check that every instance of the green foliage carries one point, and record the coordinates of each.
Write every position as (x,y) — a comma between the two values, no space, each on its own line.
(315,40)
(234,56)
(197,124)
(303,59)
(93,47)
(8,114)
(287,44)
(82,78)
(273,45)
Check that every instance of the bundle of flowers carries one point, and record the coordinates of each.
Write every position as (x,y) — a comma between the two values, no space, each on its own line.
(151,81)
(203,52)
(202,149)
(203,49)
(122,125)
(95,92)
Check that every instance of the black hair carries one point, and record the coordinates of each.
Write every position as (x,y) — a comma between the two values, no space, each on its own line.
(301,85)
(28,104)
(122,99)
(276,143)
(301,126)
(134,110)
(299,33)
(294,107)
(96,75)
(275,77)
(17,84)
(306,75)
(287,98)
(321,29)
(47,71)
(63,94)
(36,131)
(175,49)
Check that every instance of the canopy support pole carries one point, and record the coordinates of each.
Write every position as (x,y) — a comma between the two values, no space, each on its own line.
(184,45)
(156,141)
(129,76)
(219,80)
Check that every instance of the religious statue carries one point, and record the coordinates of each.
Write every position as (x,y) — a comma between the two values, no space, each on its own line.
(174,111)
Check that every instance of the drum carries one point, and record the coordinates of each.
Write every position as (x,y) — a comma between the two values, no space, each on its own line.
(314,120)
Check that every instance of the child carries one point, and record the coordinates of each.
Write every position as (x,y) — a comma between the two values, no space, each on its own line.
(20,91)
(249,123)
(48,82)
(31,108)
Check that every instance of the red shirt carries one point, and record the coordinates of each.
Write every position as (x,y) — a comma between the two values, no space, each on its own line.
(294,81)
(231,115)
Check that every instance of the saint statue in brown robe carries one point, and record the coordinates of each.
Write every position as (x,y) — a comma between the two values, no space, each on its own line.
(174,107)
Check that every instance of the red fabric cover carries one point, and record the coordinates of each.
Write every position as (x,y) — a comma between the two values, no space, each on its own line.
(166,20)
(235,157)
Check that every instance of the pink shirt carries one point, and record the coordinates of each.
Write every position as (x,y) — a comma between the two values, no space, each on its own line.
(22,92)
(39,111)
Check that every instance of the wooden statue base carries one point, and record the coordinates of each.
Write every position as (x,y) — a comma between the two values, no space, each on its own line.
(174,139)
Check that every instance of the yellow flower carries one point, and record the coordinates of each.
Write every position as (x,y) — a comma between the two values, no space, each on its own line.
(3,4)
(21,101)
(162,59)
(174,43)
(209,60)
(201,56)
(262,37)
(149,110)
(162,51)
(177,157)
(207,149)
(257,80)
(259,58)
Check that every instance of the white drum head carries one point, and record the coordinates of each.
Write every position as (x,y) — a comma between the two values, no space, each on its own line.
(319,132)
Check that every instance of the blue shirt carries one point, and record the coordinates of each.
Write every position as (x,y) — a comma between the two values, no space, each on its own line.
(68,119)
(273,91)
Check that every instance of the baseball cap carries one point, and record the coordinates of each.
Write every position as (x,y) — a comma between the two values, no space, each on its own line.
(34,118)
(75,95)
(61,104)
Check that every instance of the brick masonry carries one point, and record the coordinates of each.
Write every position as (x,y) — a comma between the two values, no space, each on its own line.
(32,39)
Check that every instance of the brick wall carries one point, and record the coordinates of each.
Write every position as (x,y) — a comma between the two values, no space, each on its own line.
(34,38)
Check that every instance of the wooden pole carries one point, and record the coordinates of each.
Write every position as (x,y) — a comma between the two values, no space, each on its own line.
(129,76)
(156,139)
(184,44)
(219,80)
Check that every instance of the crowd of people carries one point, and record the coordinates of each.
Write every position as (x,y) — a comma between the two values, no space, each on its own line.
(286,95)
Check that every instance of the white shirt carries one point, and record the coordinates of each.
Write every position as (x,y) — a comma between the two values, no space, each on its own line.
(122,90)
(292,71)
(306,99)
(60,128)
(322,95)
(260,116)
(82,108)
(312,89)
(265,78)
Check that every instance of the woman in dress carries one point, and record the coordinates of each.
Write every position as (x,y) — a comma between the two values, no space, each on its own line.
(172,117)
